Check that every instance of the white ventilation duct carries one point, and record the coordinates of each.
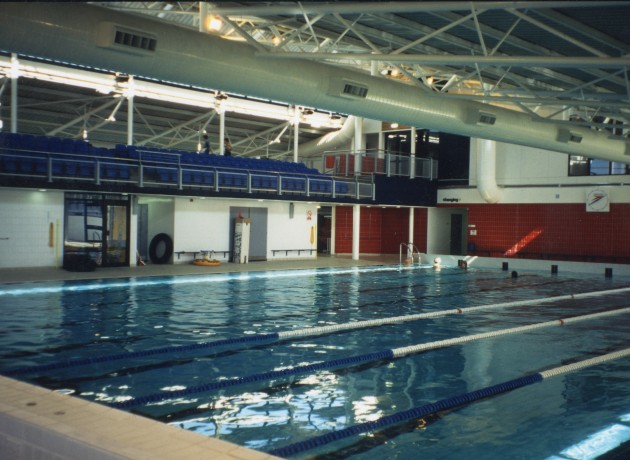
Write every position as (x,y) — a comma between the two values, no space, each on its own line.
(329,141)
(486,170)
(89,35)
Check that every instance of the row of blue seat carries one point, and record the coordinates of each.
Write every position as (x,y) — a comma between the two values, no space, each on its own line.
(29,155)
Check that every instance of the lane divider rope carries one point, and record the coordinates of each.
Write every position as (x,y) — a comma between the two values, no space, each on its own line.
(273,337)
(442,405)
(351,361)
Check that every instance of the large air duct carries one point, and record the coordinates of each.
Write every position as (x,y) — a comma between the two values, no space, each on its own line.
(102,38)
(329,141)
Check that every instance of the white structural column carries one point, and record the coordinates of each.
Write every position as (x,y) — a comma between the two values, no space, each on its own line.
(130,96)
(221,129)
(203,15)
(333,230)
(411,217)
(359,146)
(356,231)
(296,134)
(15,64)
(412,154)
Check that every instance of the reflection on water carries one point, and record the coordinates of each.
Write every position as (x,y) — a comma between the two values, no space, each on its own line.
(56,322)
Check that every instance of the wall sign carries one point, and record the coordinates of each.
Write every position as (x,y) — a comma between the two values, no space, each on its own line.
(597,201)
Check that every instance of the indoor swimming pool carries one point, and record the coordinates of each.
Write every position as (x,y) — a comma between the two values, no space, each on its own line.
(278,361)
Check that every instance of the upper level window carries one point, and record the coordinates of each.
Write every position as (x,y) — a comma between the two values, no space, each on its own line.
(584,166)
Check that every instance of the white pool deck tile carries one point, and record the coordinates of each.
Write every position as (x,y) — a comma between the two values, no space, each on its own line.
(37,419)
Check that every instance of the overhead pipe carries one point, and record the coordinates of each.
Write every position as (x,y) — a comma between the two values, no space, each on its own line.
(82,33)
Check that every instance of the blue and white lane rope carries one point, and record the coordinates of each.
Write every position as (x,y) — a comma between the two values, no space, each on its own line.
(274,337)
(442,405)
(352,361)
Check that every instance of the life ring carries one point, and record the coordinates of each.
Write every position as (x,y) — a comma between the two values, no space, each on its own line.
(164,243)
(207,262)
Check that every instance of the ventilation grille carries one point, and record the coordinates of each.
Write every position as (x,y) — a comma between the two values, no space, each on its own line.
(341,87)
(135,40)
(355,91)
(487,118)
(473,116)
(564,135)
(123,38)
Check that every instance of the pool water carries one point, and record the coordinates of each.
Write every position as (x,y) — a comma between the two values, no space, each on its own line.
(56,323)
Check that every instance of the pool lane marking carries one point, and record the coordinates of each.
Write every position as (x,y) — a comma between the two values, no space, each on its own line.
(442,405)
(273,337)
(351,361)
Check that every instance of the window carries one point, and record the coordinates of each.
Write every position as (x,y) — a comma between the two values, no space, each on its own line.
(584,166)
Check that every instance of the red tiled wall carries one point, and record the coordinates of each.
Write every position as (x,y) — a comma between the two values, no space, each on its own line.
(343,229)
(394,229)
(382,230)
(562,231)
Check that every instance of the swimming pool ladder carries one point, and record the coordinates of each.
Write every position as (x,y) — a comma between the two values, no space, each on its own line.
(411,251)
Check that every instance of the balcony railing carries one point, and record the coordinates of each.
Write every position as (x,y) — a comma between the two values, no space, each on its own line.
(146,168)
(369,162)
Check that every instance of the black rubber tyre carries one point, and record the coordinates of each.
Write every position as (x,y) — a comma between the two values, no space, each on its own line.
(161,248)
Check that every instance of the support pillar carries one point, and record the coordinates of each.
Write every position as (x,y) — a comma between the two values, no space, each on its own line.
(333,230)
(130,96)
(356,231)
(296,134)
(412,154)
(221,129)
(359,146)
(14,92)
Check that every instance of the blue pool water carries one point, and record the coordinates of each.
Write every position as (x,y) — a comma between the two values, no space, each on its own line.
(57,323)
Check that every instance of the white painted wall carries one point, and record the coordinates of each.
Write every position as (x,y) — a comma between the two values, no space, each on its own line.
(204,224)
(25,218)
(531,175)
(439,229)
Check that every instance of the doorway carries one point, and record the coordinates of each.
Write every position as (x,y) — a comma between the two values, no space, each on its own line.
(97,226)
(258,231)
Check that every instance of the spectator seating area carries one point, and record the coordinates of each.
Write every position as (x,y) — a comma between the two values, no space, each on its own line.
(56,159)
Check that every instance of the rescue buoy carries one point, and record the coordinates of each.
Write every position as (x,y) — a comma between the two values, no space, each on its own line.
(207,262)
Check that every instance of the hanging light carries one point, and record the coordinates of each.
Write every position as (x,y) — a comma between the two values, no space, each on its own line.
(215,23)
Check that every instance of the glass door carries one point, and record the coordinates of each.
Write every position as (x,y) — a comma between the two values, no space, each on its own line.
(96,230)
(115,238)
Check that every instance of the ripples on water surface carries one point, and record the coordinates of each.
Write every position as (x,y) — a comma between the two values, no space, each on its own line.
(53,323)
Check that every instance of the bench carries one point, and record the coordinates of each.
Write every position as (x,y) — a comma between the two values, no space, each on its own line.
(202,251)
(287,251)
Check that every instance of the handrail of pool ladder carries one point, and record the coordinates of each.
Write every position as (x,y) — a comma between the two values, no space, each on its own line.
(258,339)
(442,405)
(410,251)
(352,361)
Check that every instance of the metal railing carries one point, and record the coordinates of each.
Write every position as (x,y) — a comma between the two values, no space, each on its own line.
(370,162)
(169,172)
(411,252)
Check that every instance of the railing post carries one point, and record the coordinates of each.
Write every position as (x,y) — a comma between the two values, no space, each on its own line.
(140,175)
(216,180)
(97,172)
(249,182)
(388,164)
(180,179)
